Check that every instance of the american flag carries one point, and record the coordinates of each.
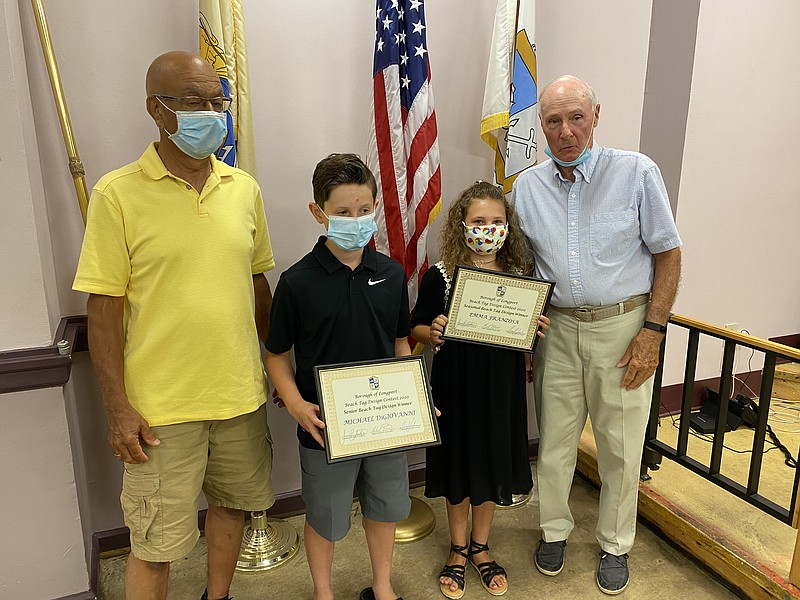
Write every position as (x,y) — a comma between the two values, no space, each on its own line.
(403,148)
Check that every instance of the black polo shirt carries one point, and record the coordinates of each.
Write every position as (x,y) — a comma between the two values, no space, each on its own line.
(330,314)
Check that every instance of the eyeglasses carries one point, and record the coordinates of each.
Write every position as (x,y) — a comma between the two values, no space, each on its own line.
(219,104)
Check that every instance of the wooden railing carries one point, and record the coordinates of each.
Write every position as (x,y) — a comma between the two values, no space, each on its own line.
(45,366)
(772,353)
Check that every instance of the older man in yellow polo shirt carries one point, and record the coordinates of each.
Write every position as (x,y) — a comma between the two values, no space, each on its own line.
(173,259)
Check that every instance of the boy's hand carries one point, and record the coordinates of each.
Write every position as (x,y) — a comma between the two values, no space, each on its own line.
(276,399)
(307,416)
(528,367)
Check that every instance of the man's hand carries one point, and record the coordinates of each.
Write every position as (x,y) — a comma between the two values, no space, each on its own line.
(125,427)
(307,416)
(641,358)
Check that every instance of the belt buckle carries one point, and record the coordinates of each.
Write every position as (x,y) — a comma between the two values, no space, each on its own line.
(583,314)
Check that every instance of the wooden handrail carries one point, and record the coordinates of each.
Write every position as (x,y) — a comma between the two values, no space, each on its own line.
(744,339)
(42,367)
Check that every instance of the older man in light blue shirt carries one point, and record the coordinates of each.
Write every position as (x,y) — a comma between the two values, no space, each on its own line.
(600,226)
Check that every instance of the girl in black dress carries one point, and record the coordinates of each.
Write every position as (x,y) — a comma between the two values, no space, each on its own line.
(480,390)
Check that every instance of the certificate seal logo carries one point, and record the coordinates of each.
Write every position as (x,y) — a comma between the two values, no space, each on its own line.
(374,383)
(501,290)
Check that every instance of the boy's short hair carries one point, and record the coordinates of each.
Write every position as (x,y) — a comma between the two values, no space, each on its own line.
(340,169)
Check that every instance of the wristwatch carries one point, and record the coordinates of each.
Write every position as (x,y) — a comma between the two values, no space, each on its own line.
(654,326)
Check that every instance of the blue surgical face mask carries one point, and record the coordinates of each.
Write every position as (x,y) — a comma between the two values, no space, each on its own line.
(200,133)
(351,233)
(584,156)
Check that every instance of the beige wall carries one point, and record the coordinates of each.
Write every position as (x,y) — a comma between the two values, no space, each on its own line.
(739,203)
(42,549)
(604,43)
(311,69)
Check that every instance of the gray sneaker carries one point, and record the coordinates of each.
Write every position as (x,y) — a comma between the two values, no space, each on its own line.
(549,557)
(612,573)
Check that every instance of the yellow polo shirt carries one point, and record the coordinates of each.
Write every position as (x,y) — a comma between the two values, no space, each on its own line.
(184,263)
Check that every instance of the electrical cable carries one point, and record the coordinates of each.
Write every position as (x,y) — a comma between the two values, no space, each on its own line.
(710,439)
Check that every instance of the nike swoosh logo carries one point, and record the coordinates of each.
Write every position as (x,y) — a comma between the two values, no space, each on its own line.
(370,282)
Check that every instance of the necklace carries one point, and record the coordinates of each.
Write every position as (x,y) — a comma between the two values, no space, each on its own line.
(481,263)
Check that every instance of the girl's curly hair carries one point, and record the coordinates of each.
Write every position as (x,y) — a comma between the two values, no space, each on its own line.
(512,257)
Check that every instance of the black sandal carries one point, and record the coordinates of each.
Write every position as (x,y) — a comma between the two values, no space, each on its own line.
(487,570)
(455,573)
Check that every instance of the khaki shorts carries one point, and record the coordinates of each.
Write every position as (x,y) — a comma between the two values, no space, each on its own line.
(230,461)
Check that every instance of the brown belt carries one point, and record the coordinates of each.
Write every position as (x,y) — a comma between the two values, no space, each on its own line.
(598,313)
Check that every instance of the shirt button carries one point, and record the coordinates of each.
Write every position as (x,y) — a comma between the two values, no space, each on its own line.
(572,224)
(572,195)
(574,282)
(573,253)
(188,187)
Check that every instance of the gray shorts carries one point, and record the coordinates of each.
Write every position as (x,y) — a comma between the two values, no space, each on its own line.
(381,482)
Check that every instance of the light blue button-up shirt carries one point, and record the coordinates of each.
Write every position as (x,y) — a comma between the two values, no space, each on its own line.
(596,237)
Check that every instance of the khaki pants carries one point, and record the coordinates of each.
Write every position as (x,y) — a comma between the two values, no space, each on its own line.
(575,375)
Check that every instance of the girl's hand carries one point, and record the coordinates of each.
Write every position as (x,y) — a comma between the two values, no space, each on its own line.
(436,331)
(544,325)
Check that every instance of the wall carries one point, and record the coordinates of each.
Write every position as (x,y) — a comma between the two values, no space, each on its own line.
(23,306)
(42,555)
(42,550)
(311,68)
(311,86)
(604,43)
(739,202)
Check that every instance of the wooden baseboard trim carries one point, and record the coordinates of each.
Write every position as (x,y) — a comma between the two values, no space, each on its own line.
(87,595)
(792,340)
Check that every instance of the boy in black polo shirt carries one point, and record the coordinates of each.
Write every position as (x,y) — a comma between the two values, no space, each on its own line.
(342,302)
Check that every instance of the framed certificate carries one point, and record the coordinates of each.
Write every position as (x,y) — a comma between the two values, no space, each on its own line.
(375,407)
(495,308)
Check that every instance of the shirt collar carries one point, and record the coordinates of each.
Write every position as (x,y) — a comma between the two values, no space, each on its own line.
(586,169)
(154,168)
(331,264)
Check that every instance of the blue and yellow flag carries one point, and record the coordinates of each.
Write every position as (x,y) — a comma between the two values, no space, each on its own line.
(222,44)
(508,123)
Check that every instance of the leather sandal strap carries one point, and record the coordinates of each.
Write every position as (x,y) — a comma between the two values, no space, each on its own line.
(490,570)
(459,550)
(478,547)
(454,572)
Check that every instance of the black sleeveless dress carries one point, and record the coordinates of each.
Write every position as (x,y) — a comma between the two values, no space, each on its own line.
(480,391)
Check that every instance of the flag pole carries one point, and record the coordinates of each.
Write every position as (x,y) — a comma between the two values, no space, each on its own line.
(75,164)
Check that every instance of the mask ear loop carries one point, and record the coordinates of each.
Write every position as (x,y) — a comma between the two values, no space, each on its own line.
(161,102)
(594,124)
(591,131)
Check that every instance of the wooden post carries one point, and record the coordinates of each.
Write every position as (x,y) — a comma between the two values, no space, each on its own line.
(794,572)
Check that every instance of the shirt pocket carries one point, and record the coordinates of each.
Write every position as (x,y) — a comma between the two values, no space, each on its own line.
(611,234)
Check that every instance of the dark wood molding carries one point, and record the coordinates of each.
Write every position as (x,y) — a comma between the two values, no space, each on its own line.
(672,395)
(792,340)
(87,595)
(43,367)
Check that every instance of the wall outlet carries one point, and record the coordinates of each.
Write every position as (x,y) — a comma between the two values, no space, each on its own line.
(733,327)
